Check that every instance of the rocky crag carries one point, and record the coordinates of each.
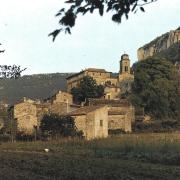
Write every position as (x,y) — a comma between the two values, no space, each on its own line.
(167,45)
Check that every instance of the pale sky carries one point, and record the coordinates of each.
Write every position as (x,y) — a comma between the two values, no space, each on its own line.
(95,41)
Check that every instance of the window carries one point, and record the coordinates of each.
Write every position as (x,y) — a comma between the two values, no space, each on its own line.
(109,96)
(126,68)
(101,123)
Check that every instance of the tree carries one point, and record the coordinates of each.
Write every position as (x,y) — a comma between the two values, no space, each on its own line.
(88,88)
(58,126)
(118,7)
(13,71)
(156,87)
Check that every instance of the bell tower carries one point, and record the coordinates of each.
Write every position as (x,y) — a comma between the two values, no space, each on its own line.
(125,69)
(124,64)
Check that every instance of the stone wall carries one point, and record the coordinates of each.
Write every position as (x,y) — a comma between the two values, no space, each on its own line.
(80,122)
(121,118)
(101,123)
(100,76)
(62,97)
(25,114)
(94,124)
(112,92)
(121,113)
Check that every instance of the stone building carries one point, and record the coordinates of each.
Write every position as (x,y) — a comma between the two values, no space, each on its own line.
(121,113)
(61,103)
(111,92)
(61,96)
(3,114)
(28,114)
(92,120)
(125,72)
(102,76)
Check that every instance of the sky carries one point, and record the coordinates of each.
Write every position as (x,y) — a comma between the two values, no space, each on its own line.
(95,42)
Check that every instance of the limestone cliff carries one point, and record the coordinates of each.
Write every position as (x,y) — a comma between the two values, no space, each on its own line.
(159,44)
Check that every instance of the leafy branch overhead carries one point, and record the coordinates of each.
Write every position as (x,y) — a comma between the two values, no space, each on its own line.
(10,71)
(117,7)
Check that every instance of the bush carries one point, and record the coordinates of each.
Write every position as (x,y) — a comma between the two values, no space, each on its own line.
(5,137)
(21,136)
(54,126)
(116,131)
(156,126)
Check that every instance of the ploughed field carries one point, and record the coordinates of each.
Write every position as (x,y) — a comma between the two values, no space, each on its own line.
(128,157)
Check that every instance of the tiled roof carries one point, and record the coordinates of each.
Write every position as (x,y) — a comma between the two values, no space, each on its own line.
(88,69)
(95,70)
(114,103)
(84,110)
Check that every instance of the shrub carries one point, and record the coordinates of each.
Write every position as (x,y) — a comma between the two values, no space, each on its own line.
(53,126)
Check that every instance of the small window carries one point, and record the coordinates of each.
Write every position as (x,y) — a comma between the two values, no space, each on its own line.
(101,123)
(109,97)
(126,68)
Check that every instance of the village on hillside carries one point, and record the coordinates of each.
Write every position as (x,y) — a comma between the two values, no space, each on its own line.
(95,117)
(82,98)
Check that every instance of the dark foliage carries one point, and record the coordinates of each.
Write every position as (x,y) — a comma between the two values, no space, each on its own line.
(10,71)
(156,126)
(119,8)
(13,71)
(156,87)
(113,132)
(87,89)
(58,126)
(21,136)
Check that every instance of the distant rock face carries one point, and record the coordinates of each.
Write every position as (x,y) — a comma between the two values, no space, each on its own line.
(159,44)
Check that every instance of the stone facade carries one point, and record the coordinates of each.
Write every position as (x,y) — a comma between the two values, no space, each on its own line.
(92,120)
(61,103)
(102,76)
(121,113)
(28,114)
(112,92)
(125,69)
(3,114)
(62,97)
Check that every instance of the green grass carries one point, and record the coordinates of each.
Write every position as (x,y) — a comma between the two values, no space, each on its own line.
(151,156)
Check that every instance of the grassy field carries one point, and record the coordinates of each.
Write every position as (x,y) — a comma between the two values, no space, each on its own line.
(150,156)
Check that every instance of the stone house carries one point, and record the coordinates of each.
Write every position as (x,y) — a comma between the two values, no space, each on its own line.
(111,92)
(61,103)
(61,96)
(92,120)
(121,113)
(28,114)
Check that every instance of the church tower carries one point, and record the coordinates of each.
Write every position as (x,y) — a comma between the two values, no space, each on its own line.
(124,64)
(125,69)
